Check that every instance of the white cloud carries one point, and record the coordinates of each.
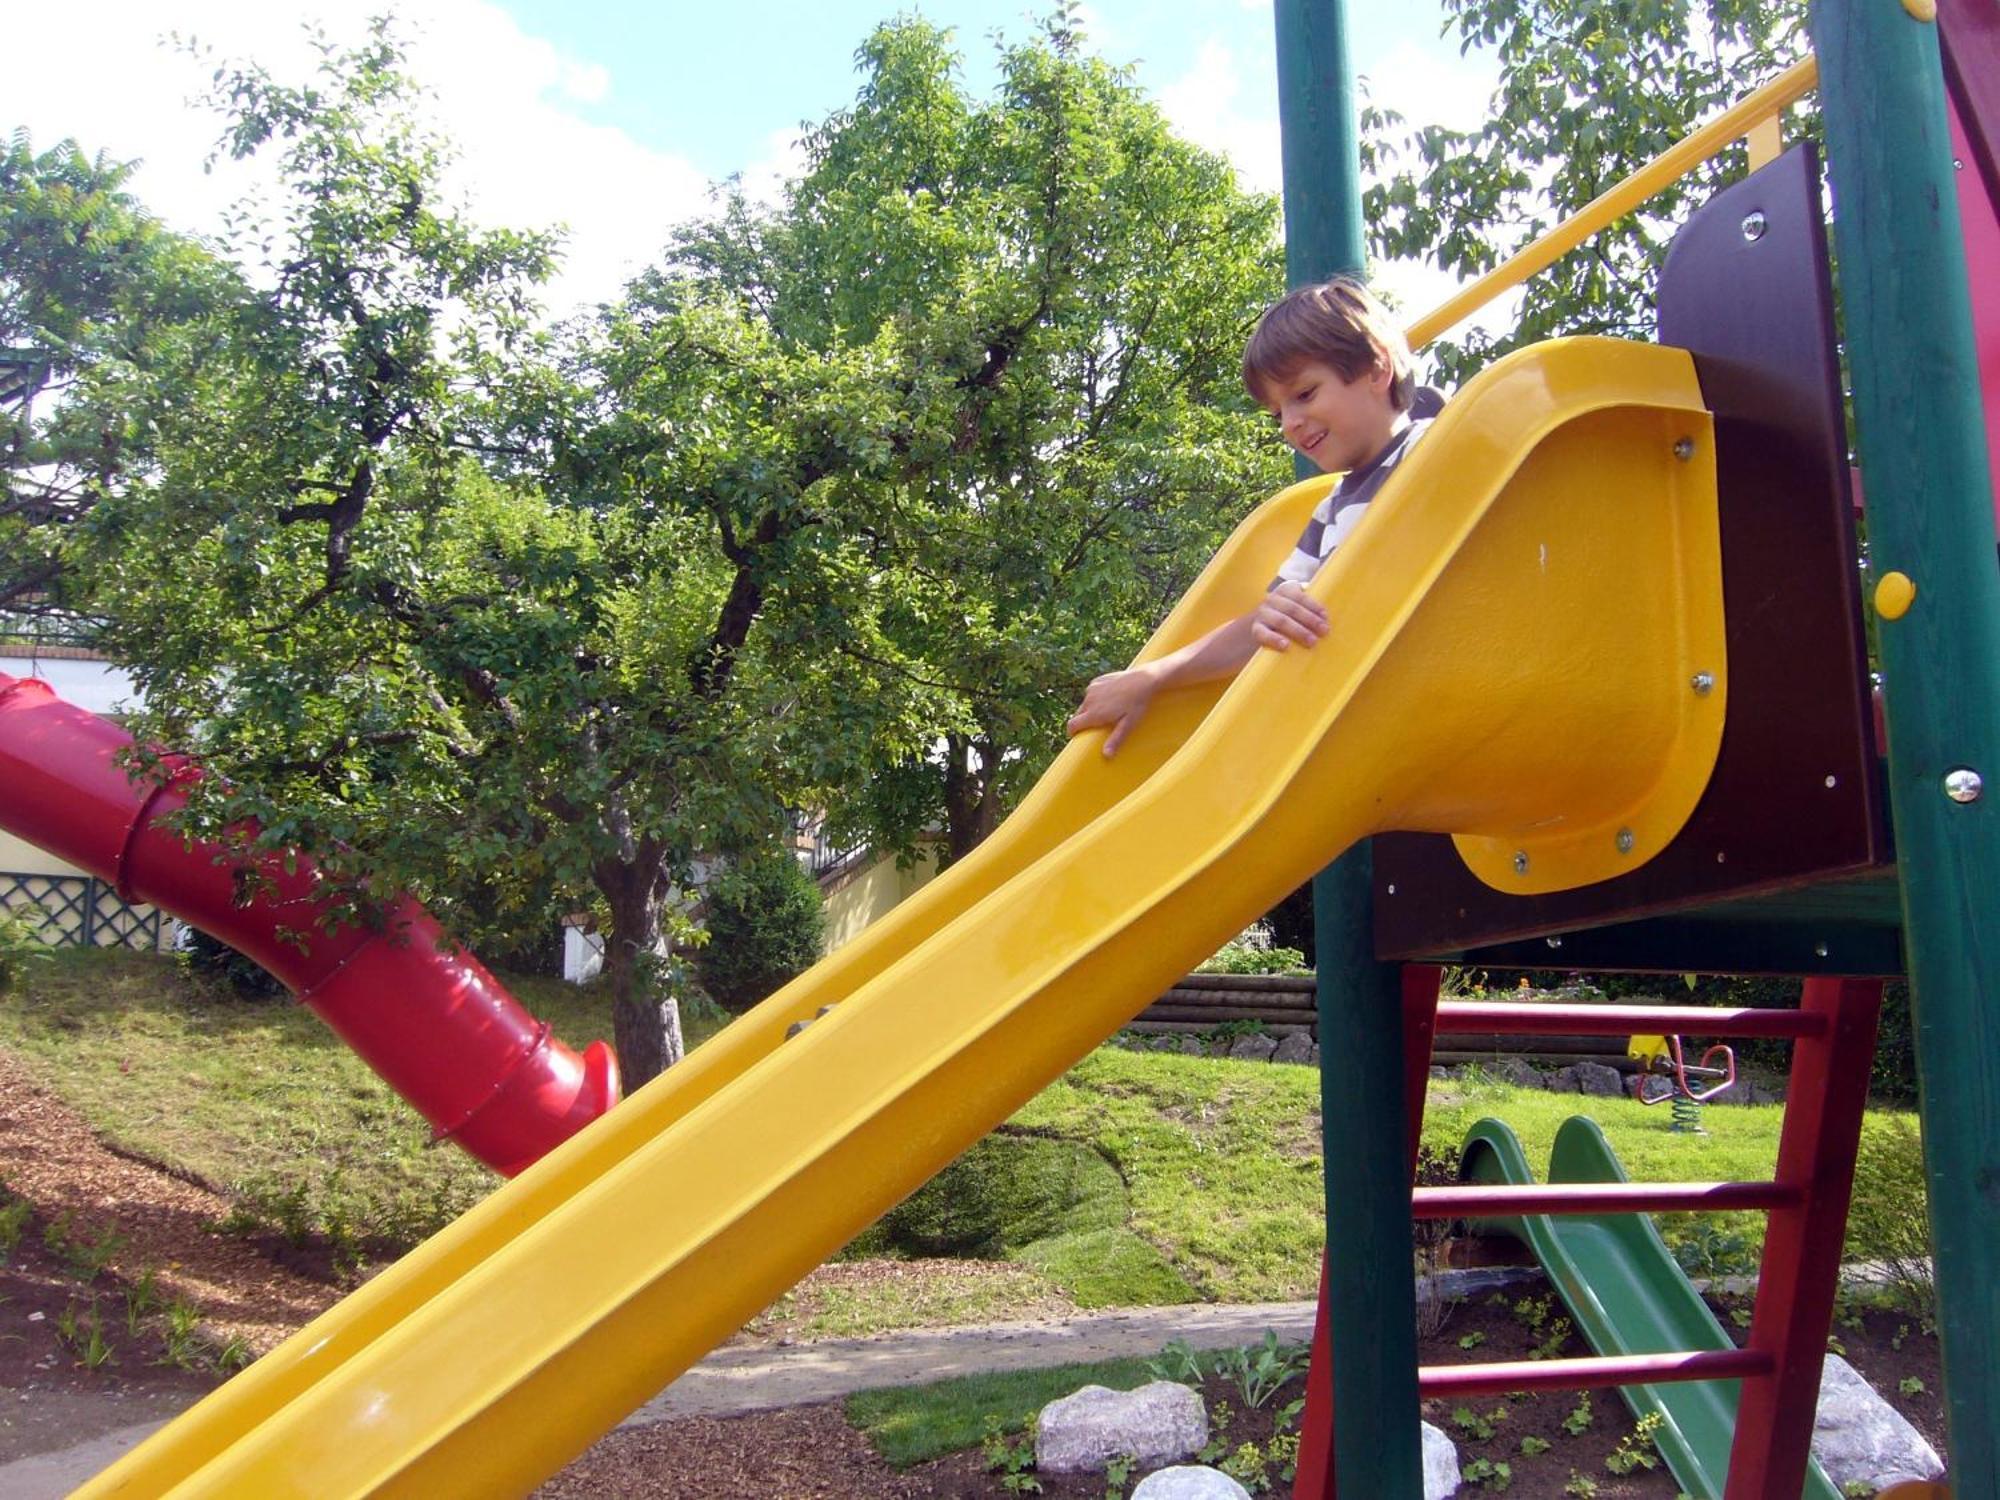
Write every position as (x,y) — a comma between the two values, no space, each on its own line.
(1205,106)
(527,159)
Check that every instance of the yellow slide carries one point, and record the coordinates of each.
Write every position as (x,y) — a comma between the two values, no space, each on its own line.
(1514,632)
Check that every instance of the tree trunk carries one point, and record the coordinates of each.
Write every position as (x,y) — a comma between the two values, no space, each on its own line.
(971,808)
(645,1015)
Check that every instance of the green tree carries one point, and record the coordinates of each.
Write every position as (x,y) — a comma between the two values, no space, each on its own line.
(519,621)
(95,298)
(1589,91)
(1061,290)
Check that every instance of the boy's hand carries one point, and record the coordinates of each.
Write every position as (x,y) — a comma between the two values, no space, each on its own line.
(1286,615)
(1119,699)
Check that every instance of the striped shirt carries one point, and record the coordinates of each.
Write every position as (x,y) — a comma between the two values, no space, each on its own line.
(1335,517)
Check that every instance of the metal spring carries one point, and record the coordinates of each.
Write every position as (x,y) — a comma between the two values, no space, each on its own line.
(1687,1115)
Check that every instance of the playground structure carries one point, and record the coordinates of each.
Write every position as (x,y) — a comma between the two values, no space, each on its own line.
(1559,650)
(420,1010)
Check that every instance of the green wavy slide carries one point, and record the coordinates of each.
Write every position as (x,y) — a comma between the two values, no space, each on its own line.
(1627,1296)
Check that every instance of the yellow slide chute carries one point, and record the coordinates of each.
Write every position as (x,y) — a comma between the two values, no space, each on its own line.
(1514,631)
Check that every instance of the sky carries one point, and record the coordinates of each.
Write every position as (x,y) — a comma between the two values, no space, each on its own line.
(615,120)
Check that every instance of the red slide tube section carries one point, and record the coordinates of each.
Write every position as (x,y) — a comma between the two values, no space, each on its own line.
(418,1009)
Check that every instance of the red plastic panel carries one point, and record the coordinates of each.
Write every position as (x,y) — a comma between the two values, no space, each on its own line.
(1982,271)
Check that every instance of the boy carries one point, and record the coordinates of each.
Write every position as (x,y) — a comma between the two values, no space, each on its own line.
(1334,371)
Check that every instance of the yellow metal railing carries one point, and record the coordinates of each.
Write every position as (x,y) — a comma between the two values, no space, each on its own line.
(1755,116)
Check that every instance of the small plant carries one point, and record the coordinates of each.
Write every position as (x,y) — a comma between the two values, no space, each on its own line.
(1261,1371)
(1577,1423)
(1532,1312)
(83,1334)
(1557,1334)
(1635,1450)
(1249,1467)
(1488,1474)
(1117,1474)
(1471,1340)
(1178,1362)
(1240,957)
(1580,1486)
(1478,1427)
(1012,1459)
(1219,1417)
(142,1300)
(234,1355)
(14,1216)
(1902,1333)
(1857,1489)
(1534,1447)
(1911,1385)
(183,1344)
(21,945)
(1711,1250)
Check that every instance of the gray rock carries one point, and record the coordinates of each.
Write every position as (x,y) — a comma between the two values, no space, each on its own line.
(1859,1436)
(1313,1056)
(1440,1464)
(1514,1070)
(1156,1424)
(1191,1046)
(1599,1079)
(1588,1078)
(1189,1482)
(1255,1046)
(1438,1075)
(1295,1048)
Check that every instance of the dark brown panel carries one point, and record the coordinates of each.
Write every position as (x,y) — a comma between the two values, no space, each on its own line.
(1969,38)
(1794,796)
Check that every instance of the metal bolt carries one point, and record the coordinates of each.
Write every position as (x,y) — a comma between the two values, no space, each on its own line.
(1555,942)
(1963,784)
(1819,950)
(1721,858)
(1703,683)
(1957,165)
(1625,841)
(1832,782)
(1684,448)
(1754,225)
(1392,887)
(1520,862)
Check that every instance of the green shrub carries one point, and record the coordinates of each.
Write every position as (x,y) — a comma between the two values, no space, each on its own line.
(1245,958)
(765,923)
(1889,1220)
(20,945)
(210,958)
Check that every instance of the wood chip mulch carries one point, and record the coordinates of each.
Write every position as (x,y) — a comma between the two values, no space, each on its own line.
(55,1161)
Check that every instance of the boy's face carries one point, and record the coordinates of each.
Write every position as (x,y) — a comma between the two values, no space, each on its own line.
(1335,422)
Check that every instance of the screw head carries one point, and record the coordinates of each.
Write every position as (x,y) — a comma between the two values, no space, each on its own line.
(1520,862)
(1625,841)
(1555,942)
(1684,448)
(1963,784)
(1754,225)
(1392,887)
(1819,950)
(1832,782)
(1703,683)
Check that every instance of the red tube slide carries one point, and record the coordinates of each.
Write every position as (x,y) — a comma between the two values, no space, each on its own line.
(420,1010)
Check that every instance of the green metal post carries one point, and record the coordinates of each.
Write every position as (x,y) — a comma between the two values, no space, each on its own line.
(1921,439)
(1370,1270)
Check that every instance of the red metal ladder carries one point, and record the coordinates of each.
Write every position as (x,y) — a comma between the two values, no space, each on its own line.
(1833,1036)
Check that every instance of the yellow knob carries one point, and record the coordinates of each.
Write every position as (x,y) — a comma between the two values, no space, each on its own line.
(1894,595)
(1923,10)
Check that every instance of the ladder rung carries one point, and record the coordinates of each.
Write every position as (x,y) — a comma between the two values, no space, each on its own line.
(1591,1373)
(1625,1020)
(1599,1197)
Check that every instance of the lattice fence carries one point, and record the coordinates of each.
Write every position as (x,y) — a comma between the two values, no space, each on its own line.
(79,911)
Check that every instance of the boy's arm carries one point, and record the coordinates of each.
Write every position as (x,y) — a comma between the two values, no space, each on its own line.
(1120,699)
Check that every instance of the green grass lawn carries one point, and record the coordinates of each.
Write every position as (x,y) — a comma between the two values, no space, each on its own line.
(1138,1177)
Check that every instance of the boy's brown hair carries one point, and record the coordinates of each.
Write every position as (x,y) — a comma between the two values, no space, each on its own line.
(1338,323)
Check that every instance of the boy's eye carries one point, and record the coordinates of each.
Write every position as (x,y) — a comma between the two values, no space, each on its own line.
(1308,393)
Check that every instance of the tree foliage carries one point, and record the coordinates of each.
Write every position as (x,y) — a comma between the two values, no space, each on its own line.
(765,922)
(1590,90)
(1062,290)
(855,491)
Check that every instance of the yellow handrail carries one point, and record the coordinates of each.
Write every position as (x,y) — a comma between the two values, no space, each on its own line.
(1615,202)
